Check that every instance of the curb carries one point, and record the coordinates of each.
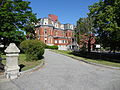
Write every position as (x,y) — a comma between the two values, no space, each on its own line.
(3,79)
(96,64)
(34,69)
(101,65)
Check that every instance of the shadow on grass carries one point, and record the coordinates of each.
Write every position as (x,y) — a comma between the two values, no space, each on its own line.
(21,66)
(28,63)
(98,56)
(2,67)
(42,57)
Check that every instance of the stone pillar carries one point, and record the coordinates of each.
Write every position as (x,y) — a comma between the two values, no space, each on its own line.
(12,68)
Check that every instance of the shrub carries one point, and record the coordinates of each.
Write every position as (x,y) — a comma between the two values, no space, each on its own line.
(33,49)
(83,48)
(107,48)
(44,45)
(52,47)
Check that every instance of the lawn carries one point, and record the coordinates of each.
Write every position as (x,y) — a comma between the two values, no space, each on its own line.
(25,65)
(98,61)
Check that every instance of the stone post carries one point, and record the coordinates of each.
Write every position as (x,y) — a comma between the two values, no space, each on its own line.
(12,68)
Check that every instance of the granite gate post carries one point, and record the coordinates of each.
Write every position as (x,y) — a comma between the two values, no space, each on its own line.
(11,67)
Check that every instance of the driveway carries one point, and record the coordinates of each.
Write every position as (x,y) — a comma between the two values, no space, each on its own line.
(64,73)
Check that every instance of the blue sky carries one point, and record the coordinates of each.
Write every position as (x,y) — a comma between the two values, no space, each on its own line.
(68,11)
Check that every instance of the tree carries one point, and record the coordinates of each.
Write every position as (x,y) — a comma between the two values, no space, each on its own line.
(106,16)
(16,17)
(84,31)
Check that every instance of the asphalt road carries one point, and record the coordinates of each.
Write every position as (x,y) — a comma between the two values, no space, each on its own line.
(64,73)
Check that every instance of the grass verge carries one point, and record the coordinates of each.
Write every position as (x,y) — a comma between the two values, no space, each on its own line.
(98,61)
(25,65)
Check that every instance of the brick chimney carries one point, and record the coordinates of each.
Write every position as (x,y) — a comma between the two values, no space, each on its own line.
(53,17)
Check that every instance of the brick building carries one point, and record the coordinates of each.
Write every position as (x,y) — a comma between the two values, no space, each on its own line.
(85,39)
(50,31)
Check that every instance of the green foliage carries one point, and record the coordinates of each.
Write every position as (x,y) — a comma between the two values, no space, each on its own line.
(84,29)
(0,54)
(52,47)
(83,49)
(106,14)
(33,49)
(84,25)
(15,17)
(107,48)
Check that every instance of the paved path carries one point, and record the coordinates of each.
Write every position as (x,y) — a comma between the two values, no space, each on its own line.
(63,73)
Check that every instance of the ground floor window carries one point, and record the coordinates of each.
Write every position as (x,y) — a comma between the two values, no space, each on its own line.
(55,41)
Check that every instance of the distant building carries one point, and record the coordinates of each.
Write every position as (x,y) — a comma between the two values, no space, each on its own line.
(50,31)
(85,39)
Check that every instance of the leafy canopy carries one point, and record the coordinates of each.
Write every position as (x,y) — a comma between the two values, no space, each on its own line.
(106,14)
(84,31)
(15,17)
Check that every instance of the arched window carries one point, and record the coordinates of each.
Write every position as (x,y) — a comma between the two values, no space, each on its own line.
(45,31)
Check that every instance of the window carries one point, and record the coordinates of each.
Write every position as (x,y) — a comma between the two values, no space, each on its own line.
(66,34)
(56,33)
(45,41)
(60,41)
(65,41)
(45,31)
(55,41)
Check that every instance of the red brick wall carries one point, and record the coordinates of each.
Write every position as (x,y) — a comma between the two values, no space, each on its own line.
(52,33)
(69,33)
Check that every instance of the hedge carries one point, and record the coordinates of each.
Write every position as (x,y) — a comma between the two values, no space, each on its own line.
(52,47)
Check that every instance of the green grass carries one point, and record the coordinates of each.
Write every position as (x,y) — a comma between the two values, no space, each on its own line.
(100,61)
(25,64)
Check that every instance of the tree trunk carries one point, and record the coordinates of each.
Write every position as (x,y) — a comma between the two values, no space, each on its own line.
(89,46)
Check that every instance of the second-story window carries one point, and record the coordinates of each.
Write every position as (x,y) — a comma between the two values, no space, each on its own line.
(56,33)
(45,31)
(66,34)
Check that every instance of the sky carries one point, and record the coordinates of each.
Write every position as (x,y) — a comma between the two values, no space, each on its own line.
(68,11)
